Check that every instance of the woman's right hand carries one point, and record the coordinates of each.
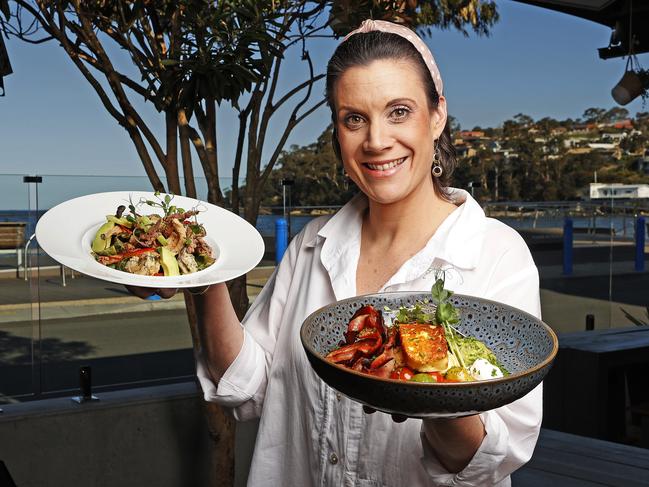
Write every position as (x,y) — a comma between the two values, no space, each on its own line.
(146,292)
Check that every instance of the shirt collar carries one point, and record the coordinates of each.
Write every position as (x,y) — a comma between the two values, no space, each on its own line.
(457,242)
(462,233)
(349,219)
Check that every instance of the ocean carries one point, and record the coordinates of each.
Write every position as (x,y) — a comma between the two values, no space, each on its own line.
(624,226)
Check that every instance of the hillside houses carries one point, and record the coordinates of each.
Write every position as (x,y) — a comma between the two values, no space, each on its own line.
(606,138)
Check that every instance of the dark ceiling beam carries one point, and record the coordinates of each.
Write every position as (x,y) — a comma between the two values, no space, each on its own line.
(616,14)
(5,65)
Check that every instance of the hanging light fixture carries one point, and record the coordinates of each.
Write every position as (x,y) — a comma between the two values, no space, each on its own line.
(634,83)
(635,80)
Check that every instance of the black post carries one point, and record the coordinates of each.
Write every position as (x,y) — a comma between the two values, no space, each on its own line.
(286,185)
(590,322)
(85,382)
(85,385)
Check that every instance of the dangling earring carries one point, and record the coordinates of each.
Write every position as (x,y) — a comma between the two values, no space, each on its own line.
(345,179)
(437,168)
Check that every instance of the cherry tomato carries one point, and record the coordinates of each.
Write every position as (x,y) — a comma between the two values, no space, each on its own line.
(402,373)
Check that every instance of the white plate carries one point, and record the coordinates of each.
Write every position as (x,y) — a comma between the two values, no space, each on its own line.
(66,231)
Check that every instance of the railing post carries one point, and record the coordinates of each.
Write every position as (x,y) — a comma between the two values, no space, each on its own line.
(567,246)
(281,238)
(590,322)
(640,229)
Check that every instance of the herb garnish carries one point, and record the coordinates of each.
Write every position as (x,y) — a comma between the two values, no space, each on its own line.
(447,315)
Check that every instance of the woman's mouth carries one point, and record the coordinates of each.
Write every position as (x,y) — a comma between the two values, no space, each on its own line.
(384,166)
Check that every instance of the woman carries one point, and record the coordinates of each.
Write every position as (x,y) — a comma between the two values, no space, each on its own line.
(392,136)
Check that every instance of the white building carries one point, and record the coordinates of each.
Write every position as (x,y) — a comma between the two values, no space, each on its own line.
(618,191)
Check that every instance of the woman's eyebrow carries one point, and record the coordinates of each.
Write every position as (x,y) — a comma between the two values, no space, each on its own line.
(395,101)
(398,101)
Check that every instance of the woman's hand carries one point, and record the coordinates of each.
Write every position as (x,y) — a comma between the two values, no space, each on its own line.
(397,418)
(146,292)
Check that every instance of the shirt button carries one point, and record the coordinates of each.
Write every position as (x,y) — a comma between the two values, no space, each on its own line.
(333,459)
(339,396)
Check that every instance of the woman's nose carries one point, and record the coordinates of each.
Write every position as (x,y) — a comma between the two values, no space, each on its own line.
(378,138)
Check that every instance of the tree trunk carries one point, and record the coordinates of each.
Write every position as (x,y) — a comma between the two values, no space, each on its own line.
(239,295)
(220,424)
(186,155)
(171,160)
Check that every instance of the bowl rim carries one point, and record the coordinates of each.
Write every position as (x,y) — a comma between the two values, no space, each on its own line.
(500,380)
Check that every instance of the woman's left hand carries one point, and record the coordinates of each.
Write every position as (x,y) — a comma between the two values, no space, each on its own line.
(397,418)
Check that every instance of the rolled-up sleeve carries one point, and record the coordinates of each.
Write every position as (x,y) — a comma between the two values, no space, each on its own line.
(240,382)
(243,385)
(512,430)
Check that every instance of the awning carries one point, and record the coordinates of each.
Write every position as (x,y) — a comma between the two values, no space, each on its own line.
(620,15)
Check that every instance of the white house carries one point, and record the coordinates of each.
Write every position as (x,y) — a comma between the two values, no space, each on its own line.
(618,191)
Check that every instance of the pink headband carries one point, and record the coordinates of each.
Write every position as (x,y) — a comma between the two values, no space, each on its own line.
(410,36)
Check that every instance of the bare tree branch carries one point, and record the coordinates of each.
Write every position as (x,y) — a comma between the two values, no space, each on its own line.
(293,120)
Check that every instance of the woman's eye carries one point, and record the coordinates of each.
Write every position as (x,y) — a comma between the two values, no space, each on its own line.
(353,120)
(400,113)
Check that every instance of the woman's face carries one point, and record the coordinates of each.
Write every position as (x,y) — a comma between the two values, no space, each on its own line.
(386,129)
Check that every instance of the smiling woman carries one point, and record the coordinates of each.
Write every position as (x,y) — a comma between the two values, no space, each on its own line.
(391,135)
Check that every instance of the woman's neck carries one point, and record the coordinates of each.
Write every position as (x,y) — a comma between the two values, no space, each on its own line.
(413,219)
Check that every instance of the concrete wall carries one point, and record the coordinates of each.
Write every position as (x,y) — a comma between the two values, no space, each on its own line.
(153,436)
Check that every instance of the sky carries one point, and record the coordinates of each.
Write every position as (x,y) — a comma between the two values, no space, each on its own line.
(535,61)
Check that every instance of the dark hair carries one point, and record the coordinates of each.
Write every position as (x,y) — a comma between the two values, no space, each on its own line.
(362,49)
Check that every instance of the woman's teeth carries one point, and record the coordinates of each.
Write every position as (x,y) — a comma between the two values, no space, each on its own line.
(386,166)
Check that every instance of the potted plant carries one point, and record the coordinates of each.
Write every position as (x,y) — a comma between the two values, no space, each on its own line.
(634,83)
(643,74)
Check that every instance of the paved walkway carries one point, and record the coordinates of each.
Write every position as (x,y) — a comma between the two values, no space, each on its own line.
(85,296)
(566,300)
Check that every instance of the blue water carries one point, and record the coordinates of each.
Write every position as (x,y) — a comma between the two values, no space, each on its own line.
(266,223)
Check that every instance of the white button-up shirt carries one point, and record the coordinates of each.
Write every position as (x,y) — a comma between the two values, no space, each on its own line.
(311,436)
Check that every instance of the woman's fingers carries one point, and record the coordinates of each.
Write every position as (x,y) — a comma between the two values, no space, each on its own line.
(166,293)
(145,292)
(397,418)
(368,410)
(141,292)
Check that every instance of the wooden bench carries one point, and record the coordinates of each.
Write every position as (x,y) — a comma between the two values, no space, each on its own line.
(12,238)
(585,391)
(566,460)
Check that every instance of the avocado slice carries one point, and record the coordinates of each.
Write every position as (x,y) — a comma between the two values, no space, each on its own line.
(119,221)
(168,262)
(100,241)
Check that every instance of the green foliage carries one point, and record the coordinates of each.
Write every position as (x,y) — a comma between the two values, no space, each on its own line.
(414,314)
(317,172)
(190,50)
(477,15)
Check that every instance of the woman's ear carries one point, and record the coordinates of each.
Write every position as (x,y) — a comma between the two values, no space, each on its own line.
(438,118)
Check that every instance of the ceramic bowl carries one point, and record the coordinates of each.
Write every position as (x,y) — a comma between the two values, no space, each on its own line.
(523,344)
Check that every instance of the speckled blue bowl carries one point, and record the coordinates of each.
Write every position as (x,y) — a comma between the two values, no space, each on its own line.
(524,345)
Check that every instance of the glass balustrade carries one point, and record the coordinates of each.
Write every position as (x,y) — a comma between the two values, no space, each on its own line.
(54,320)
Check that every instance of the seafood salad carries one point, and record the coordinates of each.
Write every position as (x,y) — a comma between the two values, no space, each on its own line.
(420,345)
(167,244)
